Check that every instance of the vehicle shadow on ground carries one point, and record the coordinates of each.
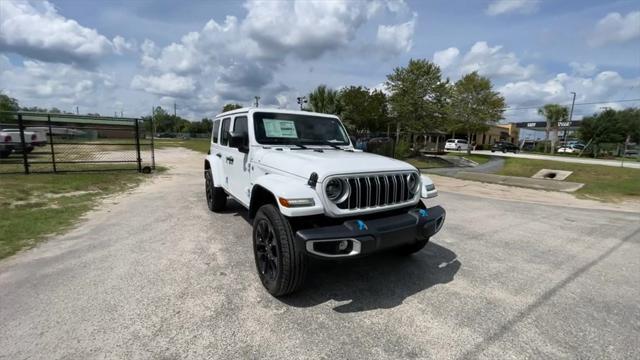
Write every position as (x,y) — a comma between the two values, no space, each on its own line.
(382,281)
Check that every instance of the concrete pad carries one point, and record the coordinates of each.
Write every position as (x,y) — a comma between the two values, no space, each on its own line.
(542,184)
(550,174)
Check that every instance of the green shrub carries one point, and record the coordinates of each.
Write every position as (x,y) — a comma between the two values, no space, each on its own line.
(403,150)
(540,146)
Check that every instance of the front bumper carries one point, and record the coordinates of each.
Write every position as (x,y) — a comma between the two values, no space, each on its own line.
(363,237)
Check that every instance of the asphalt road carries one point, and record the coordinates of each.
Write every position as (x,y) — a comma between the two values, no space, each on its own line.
(155,275)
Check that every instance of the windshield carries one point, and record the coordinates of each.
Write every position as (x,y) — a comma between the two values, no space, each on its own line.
(291,129)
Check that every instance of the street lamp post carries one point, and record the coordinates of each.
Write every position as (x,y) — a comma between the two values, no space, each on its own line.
(302,100)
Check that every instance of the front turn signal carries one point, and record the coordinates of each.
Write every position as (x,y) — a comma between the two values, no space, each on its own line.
(290,203)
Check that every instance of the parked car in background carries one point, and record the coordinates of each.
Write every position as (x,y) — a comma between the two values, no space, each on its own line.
(33,137)
(504,146)
(571,148)
(456,144)
(10,141)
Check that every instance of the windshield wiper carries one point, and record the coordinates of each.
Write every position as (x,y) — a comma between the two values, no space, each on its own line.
(300,146)
(332,145)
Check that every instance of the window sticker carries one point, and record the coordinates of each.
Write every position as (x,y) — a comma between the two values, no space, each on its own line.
(280,128)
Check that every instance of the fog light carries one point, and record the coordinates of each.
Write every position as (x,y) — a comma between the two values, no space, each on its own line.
(342,246)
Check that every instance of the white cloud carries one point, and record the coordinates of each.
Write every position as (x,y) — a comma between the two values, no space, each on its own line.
(396,39)
(58,84)
(616,28)
(446,58)
(236,59)
(604,86)
(312,27)
(488,61)
(39,32)
(499,7)
(122,45)
(166,84)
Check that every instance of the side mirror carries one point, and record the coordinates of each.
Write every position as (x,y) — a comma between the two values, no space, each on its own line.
(239,141)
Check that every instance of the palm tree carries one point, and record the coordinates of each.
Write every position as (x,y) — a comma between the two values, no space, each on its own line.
(324,100)
(553,113)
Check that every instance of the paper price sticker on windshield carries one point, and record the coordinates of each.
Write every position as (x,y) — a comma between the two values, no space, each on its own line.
(280,128)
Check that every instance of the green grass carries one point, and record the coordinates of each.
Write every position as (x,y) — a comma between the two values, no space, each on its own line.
(602,182)
(200,145)
(34,206)
(427,162)
(480,159)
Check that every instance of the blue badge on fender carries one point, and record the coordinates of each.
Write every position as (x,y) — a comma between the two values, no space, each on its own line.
(361,225)
(423,213)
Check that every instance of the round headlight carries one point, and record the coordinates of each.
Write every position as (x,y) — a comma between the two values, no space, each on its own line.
(413,183)
(336,190)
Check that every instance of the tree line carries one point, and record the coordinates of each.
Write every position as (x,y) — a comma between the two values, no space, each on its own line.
(421,100)
(607,127)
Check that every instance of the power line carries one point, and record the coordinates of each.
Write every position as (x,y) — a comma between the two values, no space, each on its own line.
(577,104)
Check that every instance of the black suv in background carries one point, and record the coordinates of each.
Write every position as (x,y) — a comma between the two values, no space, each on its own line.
(504,147)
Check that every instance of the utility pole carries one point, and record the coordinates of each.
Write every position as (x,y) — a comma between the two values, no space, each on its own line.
(573,102)
(257,103)
(77,110)
(174,108)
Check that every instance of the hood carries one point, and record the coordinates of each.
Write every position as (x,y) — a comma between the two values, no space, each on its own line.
(328,162)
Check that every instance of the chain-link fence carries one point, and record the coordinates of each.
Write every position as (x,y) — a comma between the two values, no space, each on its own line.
(43,143)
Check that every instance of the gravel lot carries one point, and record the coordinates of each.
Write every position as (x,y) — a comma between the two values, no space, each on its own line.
(153,274)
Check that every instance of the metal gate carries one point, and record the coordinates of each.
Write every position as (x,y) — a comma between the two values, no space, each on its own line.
(44,143)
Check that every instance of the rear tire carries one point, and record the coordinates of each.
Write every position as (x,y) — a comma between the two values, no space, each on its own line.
(216,197)
(5,154)
(281,266)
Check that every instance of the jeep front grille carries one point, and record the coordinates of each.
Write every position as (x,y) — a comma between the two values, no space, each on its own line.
(376,190)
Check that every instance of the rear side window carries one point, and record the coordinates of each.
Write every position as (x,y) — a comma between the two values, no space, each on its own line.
(224,136)
(216,131)
(240,125)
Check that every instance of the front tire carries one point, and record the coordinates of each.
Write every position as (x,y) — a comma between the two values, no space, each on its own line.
(216,197)
(281,266)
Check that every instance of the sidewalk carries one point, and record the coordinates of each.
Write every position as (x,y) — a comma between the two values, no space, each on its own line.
(541,184)
(630,163)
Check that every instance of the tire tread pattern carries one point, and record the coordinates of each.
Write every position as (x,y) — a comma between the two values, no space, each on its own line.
(294,262)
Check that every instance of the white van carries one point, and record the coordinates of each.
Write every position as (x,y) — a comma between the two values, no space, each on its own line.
(456,144)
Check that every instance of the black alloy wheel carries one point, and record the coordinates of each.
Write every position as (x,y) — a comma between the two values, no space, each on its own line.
(267,251)
(280,261)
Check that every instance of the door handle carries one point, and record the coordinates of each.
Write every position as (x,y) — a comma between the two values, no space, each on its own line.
(219,155)
(229,159)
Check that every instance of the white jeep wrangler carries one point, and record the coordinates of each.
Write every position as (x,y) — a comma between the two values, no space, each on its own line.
(310,194)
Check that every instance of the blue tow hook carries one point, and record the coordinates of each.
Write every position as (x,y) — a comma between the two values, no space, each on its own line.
(361,225)
(423,213)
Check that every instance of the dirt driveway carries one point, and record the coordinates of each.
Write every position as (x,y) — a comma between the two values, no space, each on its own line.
(153,274)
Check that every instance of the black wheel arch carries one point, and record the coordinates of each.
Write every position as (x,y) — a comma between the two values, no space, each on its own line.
(260,196)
